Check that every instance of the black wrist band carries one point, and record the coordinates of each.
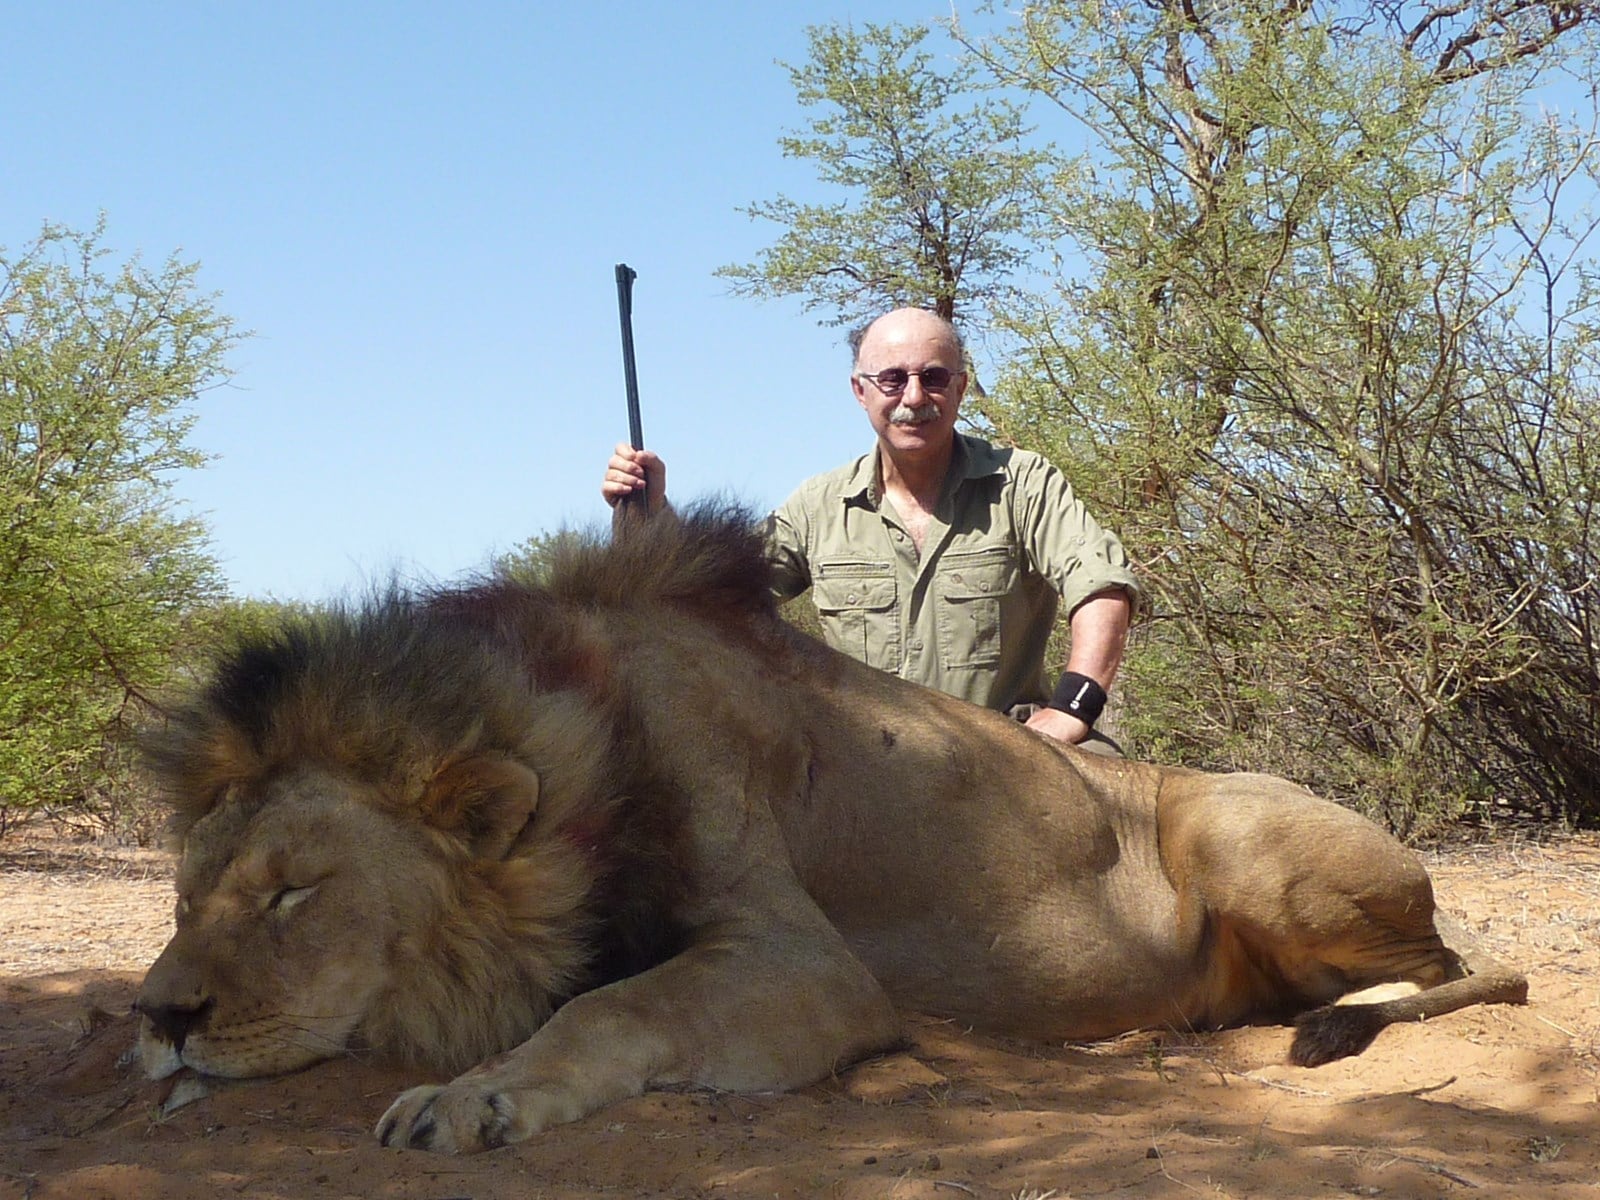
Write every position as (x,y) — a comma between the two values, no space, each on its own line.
(1079,695)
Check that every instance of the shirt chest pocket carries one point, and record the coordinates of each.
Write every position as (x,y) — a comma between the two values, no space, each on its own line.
(971,586)
(857,604)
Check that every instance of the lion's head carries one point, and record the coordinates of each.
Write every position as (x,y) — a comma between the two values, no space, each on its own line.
(386,835)
(419,824)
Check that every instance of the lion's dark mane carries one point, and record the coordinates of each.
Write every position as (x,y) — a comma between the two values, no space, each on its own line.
(389,689)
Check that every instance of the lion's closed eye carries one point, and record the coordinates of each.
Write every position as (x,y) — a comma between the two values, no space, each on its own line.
(286,898)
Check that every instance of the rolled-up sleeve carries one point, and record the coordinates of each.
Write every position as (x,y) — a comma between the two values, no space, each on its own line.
(1063,541)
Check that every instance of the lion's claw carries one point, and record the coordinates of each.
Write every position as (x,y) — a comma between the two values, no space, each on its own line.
(421,1137)
(409,1122)
(497,1129)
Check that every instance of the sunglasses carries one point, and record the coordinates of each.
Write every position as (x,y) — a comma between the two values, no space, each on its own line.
(892,382)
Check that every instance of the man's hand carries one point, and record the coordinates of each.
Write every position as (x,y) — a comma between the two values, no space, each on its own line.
(1053,723)
(630,471)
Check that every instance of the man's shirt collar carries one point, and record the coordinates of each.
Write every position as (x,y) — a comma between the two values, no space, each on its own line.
(970,458)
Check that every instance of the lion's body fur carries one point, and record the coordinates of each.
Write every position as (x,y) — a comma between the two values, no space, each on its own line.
(630,796)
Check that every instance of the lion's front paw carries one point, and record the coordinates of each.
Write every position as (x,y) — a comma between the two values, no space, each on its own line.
(470,1115)
(453,1119)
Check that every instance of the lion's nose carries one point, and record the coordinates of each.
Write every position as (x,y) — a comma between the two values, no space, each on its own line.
(175,1021)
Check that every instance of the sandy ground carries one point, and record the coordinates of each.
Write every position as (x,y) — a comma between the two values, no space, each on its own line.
(1487,1102)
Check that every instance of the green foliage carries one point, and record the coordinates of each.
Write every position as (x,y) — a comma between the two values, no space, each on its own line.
(98,368)
(1330,369)
(231,620)
(939,183)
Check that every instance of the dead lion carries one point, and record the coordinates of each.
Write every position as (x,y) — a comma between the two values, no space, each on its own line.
(628,829)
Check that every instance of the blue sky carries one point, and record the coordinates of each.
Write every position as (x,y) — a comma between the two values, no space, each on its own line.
(417,210)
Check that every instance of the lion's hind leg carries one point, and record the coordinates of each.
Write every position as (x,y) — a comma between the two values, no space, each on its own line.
(1472,976)
(1308,902)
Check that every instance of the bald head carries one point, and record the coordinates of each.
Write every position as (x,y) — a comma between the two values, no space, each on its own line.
(903,323)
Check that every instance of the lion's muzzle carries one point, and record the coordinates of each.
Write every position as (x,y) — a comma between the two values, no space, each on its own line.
(173,1022)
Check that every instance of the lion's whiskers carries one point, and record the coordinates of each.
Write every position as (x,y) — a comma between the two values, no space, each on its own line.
(286,1025)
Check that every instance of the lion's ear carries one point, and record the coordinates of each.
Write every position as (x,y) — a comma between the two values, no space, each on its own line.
(486,800)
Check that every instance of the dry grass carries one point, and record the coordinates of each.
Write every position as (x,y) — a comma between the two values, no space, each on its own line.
(71,904)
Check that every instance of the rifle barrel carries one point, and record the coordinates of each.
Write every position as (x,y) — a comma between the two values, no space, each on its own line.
(625,277)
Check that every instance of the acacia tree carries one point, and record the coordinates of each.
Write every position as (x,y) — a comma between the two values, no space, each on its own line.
(98,572)
(937,181)
(1329,364)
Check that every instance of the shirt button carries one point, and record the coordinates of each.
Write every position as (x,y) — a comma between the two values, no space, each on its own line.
(956,578)
(850,599)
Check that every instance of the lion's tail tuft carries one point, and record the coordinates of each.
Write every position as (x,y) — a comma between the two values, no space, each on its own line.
(1335,1031)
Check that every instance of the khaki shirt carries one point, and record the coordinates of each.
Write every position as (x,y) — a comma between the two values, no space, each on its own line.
(1008,544)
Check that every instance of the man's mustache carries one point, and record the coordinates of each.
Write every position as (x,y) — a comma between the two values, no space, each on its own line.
(904,414)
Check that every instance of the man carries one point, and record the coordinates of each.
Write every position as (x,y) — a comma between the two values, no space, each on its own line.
(937,556)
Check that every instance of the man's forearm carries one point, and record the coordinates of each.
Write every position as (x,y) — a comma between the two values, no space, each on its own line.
(1099,635)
